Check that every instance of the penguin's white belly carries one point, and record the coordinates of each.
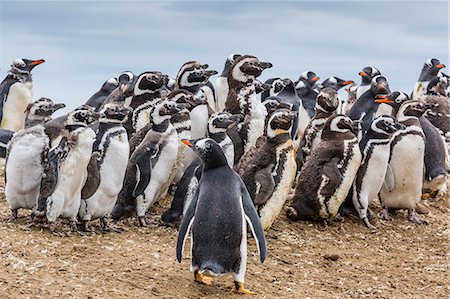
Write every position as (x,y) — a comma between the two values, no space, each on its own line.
(361,90)
(303,121)
(112,173)
(207,91)
(419,90)
(19,96)
(24,171)
(274,205)
(256,126)
(142,119)
(376,170)
(221,92)
(199,121)
(407,167)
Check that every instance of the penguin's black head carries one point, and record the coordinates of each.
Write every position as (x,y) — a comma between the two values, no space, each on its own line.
(368,73)
(44,107)
(276,84)
(222,121)
(308,77)
(247,67)
(261,87)
(228,62)
(149,82)
(437,86)
(193,73)
(182,96)
(110,85)
(414,108)
(125,77)
(25,65)
(336,83)
(209,151)
(115,112)
(385,125)
(379,85)
(395,99)
(82,116)
(327,100)
(339,124)
(432,66)
(275,103)
(280,122)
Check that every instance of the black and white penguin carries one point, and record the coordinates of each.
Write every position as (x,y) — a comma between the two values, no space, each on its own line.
(402,188)
(64,178)
(367,74)
(366,109)
(106,170)
(222,82)
(16,93)
(97,99)
(305,90)
(375,149)
(430,70)
(242,99)
(335,83)
(269,170)
(260,87)
(150,167)
(125,77)
(328,174)
(40,111)
(276,85)
(218,217)
(326,106)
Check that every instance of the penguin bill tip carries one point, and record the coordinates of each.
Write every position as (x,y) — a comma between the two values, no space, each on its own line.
(187,142)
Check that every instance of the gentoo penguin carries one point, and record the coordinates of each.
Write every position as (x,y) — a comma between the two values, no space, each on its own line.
(97,99)
(366,109)
(218,217)
(106,173)
(306,92)
(62,192)
(430,70)
(222,82)
(268,171)
(439,115)
(326,106)
(375,149)
(150,167)
(335,83)
(403,182)
(328,174)
(242,98)
(16,93)
(276,85)
(367,74)
(218,125)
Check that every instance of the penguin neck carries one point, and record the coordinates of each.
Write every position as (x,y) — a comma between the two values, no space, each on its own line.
(20,75)
(288,90)
(161,126)
(181,122)
(199,121)
(426,75)
(330,135)
(75,126)
(192,89)
(105,124)
(278,136)
(33,120)
(148,97)
(215,161)
(218,136)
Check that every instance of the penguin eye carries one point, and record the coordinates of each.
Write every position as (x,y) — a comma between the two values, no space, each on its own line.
(397,100)
(169,105)
(221,118)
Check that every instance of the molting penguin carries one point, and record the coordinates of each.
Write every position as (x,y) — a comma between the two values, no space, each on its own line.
(62,192)
(351,99)
(375,149)
(222,82)
(335,83)
(430,70)
(305,91)
(403,182)
(439,115)
(218,217)
(150,167)
(269,170)
(106,170)
(328,174)
(97,99)
(16,93)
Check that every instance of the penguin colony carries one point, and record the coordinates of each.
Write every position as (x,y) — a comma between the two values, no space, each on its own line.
(235,155)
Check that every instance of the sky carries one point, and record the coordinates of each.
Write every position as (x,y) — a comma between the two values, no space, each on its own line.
(85,43)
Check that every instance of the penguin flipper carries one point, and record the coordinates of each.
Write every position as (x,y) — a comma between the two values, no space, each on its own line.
(331,170)
(389,180)
(255,223)
(93,177)
(186,224)
(266,182)
(143,171)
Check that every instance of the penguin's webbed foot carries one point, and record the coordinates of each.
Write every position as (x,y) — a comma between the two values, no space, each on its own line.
(413,218)
(239,288)
(87,226)
(108,228)
(13,216)
(385,215)
(142,221)
(369,225)
(200,278)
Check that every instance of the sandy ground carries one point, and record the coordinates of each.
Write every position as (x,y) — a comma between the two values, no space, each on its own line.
(402,260)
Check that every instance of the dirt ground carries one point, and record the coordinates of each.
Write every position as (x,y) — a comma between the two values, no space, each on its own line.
(402,260)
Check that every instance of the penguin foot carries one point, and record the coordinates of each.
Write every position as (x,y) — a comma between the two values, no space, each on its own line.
(200,278)
(239,288)
(142,221)
(385,215)
(369,225)
(13,216)
(87,226)
(53,229)
(108,228)
(413,218)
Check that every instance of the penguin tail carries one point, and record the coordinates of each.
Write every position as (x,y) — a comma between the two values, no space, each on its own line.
(212,269)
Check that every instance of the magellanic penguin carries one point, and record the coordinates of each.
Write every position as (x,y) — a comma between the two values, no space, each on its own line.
(430,70)
(218,125)
(97,99)
(222,83)
(328,174)
(326,105)
(269,170)
(106,170)
(305,90)
(16,93)
(276,85)
(335,83)
(367,74)
(375,149)
(150,167)
(217,218)
(242,98)
(402,188)
(62,192)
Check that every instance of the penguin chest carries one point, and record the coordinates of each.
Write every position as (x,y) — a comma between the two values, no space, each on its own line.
(141,116)
(19,96)
(222,92)
(256,125)
(199,121)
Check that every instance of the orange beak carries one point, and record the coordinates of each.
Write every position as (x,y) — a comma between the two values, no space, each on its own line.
(383,99)
(347,82)
(440,66)
(315,78)
(36,62)
(186,142)
(362,74)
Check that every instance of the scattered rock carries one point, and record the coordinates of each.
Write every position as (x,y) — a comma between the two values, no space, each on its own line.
(331,256)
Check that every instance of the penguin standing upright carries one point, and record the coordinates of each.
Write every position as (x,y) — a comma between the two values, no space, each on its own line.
(16,93)
(328,174)
(375,149)
(305,90)
(218,217)
(222,82)
(269,170)
(105,176)
(97,99)
(367,74)
(439,115)
(430,70)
